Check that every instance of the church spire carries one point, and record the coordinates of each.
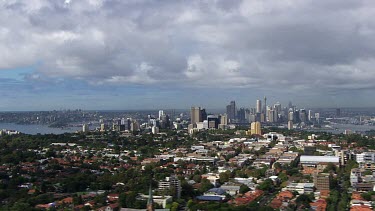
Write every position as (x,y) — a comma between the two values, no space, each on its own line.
(150,201)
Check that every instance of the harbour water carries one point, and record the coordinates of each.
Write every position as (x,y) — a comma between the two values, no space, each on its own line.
(44,129)
(340,128)
(35,129)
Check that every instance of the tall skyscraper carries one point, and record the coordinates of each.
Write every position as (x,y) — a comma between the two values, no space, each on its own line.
(255,128)
(165,121)
(213,121)
(196,115)
(252,118)
(224,119)
(241,115)
(272,115)
(231,110)
(310,115)
(277,107)
(290,125)
(259,106)
(102,127)
(127,123)
(296,117)
(302,115)
(291,115)
(134,126)
(265,105)
(154,130)
(161,113)
(85,128)
(317,117)
(204,114)
(247,115)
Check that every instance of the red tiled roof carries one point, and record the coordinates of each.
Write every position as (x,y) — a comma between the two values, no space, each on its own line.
(360,208)
(357,196)
(319,205)
(276,203)
(68,200)
(285,195)
(247,197)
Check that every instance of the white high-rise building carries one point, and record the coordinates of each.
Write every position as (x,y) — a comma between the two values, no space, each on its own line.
(317,116)
(155,130)
(290,125)
(102,127)
(291,115)
(161,113)
(85,128)
(259,106)
(310,115)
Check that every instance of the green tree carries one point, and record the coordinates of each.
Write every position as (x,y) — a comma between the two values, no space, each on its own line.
(224,177)
(174,206)
(77,200)
(277,165)
(21,206)
(197,178)
(131,198)
(244,189)
(368,195)
(205,185)
(303,200)
(122,200)
(267,185)
(283,177)
(330,168)
(187,190)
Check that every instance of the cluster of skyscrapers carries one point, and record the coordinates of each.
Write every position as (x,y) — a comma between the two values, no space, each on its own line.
(152,122)
(270,114)
(200,120)
(122,124)
(261,113)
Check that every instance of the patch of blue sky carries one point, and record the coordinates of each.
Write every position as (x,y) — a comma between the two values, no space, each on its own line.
(16,73)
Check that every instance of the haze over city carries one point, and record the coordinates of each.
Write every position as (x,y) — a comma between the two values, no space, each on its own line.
(114,54)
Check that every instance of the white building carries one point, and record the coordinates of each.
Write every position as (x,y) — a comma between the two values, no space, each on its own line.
(155,130)
(171,183)
(231,189)
(365,157)
(196,147)
(314,160)
(271,136)
(161,113)
(301,188)
(85,128)
(161,200)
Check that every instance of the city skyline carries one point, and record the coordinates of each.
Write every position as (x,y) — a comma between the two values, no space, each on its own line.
(108,54)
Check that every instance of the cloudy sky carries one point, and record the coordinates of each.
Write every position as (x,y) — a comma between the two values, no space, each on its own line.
(130,54)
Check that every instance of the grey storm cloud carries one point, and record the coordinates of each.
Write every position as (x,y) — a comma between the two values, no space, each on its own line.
(284,44)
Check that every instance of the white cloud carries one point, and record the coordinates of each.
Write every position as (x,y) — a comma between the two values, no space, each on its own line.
(263,44)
